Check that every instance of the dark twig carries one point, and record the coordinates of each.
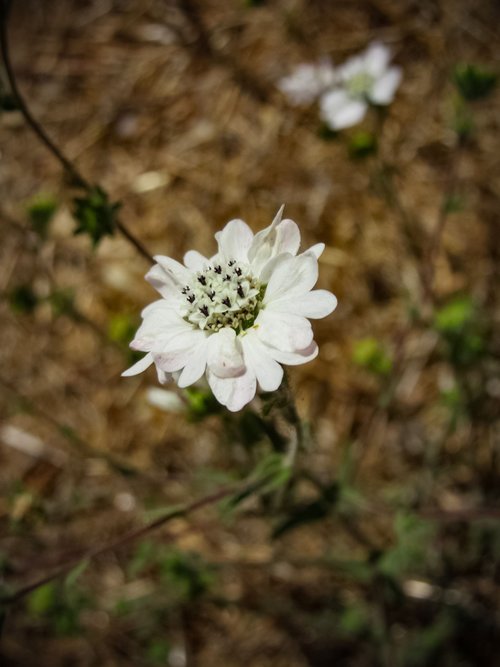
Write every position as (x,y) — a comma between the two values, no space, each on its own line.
(76,177)
(122,541)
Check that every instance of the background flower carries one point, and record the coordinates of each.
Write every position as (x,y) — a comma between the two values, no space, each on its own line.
(363,80)
(307,82)
(236,316)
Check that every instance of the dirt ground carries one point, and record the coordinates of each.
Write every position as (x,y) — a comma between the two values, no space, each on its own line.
(173,108)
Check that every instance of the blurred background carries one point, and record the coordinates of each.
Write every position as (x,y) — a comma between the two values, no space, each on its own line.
(386,551)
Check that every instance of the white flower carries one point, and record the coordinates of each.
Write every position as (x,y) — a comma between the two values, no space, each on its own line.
(362,80)
(236,316)
(308,82)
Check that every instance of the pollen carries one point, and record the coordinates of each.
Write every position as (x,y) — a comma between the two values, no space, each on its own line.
(223,295)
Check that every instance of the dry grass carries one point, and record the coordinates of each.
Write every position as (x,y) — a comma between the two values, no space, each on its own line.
(181,135)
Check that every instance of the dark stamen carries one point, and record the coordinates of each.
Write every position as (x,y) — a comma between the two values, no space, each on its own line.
(202,280)
(226,302)
(191,298)
(237,271)
(204,310)
(211,295)
(241,294)
(218,269)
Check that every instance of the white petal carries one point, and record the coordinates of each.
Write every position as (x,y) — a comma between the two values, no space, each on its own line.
(281,236)
(317,249)
(292,275)
(284,330)
(351,67)
(195,367)
(376,58)
(138,367)
(224,354)
(195,261)
(235,240)
(268,372)
(235,392)
(383,89)
(295,358)
(177,272)
(162,281)
(178,351)
(158,329)
(316,304)
(339,110)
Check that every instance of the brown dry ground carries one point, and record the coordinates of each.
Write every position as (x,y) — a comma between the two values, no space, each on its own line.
(181,135)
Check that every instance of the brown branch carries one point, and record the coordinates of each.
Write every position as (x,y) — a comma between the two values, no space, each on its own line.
(70,169)
(129,537)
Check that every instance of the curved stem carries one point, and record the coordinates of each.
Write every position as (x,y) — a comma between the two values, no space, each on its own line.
(37,128)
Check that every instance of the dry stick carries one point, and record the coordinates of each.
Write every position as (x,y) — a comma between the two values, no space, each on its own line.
(67,165)
(129,537)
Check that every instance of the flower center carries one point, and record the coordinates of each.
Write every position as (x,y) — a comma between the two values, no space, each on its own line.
(360,84)
(223,295)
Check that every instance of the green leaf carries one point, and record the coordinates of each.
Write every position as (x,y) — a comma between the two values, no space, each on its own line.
(474,82)
(455,315)
(41,210)
(75,574)
(42,600)
(370,354)
(121,328)
(158,651)
(362,144)
(413,536)
(201,404)
(95,214)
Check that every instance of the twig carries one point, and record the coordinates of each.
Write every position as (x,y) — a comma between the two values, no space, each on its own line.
(129,537)
(76,177)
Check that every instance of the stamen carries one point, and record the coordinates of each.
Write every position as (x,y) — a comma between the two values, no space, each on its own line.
(224,295)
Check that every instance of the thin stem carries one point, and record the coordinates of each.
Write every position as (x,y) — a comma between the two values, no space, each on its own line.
(122,541)
(75,176)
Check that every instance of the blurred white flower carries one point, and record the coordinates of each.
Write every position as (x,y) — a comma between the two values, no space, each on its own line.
(362,80)
(236,316)
(165,400)
(308,82)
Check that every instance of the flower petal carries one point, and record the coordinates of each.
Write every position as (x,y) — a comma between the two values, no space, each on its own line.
(268,372)
(224,355)
(233,392)
(316,304)
(195,261)
(281,236)
(317,249)
(376,59)
(385,87)
(235,241)
(339,110)
(195,367)
(139,366)
(162,282)
(292,275)
(295,358)
(175,270)
(176,353)
(284,330)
